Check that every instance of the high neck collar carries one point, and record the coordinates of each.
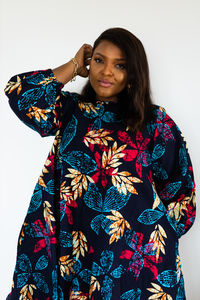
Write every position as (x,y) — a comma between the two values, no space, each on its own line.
(109,105)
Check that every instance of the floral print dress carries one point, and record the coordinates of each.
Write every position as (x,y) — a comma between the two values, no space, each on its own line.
(109,206)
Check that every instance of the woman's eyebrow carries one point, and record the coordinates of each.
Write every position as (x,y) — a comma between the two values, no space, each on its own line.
(97,53)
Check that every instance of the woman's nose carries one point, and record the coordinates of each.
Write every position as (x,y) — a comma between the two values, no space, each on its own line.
(107,70)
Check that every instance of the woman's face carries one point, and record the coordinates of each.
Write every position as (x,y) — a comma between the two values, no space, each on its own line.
(108,75)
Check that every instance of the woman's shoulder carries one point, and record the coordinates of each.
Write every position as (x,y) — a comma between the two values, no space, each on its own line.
(160,115)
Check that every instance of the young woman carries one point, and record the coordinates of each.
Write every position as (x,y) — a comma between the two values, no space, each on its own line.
(116,191)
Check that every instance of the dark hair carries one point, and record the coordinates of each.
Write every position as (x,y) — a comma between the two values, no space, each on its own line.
(135,104)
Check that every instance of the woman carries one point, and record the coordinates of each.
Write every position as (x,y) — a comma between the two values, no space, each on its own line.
(116,191)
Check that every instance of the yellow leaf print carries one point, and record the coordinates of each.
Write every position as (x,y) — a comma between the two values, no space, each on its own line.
(176,209)
(48,215)
(94,284)
(11,86)
(66,265)
(157,238)
(179,268)
(77,295)
(27,292)
(157,199)
(56,145)
(99,137)
(118,226)
(158,293)
(111,160)
(38,113)
(88,107)
(79,182)
(123,181)
(47,80)
(79,244)
(66,193)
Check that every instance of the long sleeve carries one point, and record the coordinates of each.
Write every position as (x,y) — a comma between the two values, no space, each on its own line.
(37,99)
(172,173)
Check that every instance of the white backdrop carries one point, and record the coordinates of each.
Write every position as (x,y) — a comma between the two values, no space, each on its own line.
(44,34)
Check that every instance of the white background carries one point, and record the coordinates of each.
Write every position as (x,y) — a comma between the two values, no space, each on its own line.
(44,34)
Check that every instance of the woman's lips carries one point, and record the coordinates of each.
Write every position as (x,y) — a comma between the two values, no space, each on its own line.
(105,83)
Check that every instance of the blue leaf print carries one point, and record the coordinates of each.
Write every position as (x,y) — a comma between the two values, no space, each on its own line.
(36,201)
(168,278)
(151,128)
(93,198)
(115,200)
(35,79)
(55,283)
(180,230)
(68,134)
(183,161)
(172,222)
(106,290)
(65,239)
(73,96)
(170,190)
(22,279)
(23,264)
(117,273)
(190,183)
(150,216)
(159,172)
(106,260)
(60,294)
(40,282)
(96,270)
(80,161)
(181,291)
(50,94)
(42,263)
(75,285)
(30,97)
(131,295)
(86,275)
(144,159)
(158,151)
(96,125)
(100,109)
(108,117)
(77,266)
(57,291)
(62,209)
(50,187)
(96,223)
(106,224)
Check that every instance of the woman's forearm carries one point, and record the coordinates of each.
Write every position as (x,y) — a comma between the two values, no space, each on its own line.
(64,73)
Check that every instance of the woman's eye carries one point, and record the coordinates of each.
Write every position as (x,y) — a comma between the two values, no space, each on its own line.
(98,60)
(121,66)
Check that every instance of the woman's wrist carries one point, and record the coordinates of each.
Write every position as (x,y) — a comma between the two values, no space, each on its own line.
(76,66)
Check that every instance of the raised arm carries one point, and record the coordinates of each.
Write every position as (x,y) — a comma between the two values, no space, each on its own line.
(36,97)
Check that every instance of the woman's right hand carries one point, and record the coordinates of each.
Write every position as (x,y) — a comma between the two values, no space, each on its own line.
(83,57)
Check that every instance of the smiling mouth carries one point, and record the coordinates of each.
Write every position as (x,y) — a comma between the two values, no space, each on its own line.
(105,83)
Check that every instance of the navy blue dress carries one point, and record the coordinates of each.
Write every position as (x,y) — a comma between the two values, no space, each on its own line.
(109,206)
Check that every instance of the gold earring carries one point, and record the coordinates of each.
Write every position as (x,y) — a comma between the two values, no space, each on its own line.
(128,86)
